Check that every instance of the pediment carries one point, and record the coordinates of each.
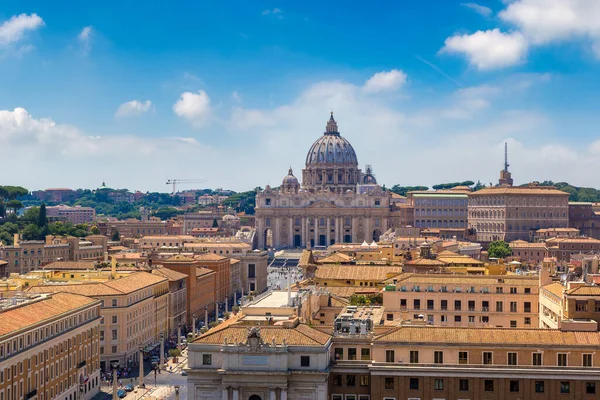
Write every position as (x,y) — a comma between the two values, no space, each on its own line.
(322,204)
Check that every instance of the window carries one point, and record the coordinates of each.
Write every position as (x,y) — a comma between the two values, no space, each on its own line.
(513,306)
(389,317)
(101,335)
(389,356)
(114,319)
(114,302)
(267,202)
(471,318)
(471,305)
(590,388)
(251,271)
(305,361)
(114,334)
(457,305)
(498,306)
(513,290)
(438,357)
(527,306)
(512,358)
(487,357)
(414,357)
(364,380)
(527,290)
(463,385)
(337,397)
(443,318)
(539,386)
(417,304)
(365,354)
(351,380)
(537,359)
(565,387)
(114,349)
(206,359)
(562,359)
(513,324)
(527,321)
(581,305)
(339,353)
(444,304)
(498,290)
(389,383)
(352,354)
(337,380)
(488,385)
(413,383)
(587,360)
(457,318)
(514,386)
(438,384)
(463,357)
(430,304)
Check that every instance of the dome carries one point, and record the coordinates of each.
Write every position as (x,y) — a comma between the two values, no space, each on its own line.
(290,179)
(331,148)
(369,178)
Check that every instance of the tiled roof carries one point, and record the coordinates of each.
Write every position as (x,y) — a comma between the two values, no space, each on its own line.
(544,230)
(180,258)
(526,245)
(134,282)
(234,261)
(459,259)
(425,262)
(489,336)
(448,279)
(336,258)
(555,288)
(348,291)
(301,335)
(170,274)
(584,291)
(584,240)
(203,271)
(58,304)
(538,190)
(70,265)
(209,257)
(306,258)
(360,272)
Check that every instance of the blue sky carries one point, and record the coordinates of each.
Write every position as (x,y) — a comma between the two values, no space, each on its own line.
(134,93)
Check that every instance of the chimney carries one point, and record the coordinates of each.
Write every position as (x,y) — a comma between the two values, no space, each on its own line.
(113,270)
(16,240)
(106,256)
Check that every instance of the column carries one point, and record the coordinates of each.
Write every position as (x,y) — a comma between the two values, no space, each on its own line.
(303,233)
(273,394)
(225,394)
(316,226)
(291,232)
(282,394)
(328,233)
(338,230)
(236,394)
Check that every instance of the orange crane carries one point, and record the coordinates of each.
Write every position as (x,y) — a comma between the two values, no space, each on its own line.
(175,182)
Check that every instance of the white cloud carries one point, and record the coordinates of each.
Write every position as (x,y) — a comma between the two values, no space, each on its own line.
(14,29)
(236,97)
(385,81)
(195,107)
(479,9)
(85,39)
(133,108)
(275,13)
(545,21)
(489,49)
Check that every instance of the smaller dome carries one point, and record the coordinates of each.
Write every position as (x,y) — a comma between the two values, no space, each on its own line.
(290,179)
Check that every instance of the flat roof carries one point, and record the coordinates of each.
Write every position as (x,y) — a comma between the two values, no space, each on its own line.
(464,195)
(277,298)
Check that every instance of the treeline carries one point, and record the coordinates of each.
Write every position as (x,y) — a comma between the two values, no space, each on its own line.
(576,193)
(243,201)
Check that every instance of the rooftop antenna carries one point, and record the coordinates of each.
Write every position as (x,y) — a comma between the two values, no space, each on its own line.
(506,156)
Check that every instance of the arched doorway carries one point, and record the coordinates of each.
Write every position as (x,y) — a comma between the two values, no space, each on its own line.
(255,397)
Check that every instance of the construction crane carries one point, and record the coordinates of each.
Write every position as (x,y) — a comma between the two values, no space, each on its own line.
(175,182)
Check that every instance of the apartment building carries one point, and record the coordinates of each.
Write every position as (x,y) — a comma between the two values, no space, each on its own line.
(585,217)
(504,301)
(134,311)
(532,253)
(574,303)
(75,215)
(49,347)
(440,208)
(563,248)
(132,227)
(177,297)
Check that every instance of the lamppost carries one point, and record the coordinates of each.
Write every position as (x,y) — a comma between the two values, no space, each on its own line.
(176,392)
(115,366)
(162,350)
(141,380)
(179,336)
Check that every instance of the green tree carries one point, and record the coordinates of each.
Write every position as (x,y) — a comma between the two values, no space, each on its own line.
(2,208)
(14,205)
(499,249)
(115,236)
(32,232)
(12,192)
(94,230)
(42,218)
(31,215)
(6,238)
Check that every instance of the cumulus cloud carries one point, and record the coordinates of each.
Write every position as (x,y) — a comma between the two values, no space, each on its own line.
(133,108)
(194,107)
(385,81)
(275,13)
(85,39)
(14,29)
(489,49)
(479,9)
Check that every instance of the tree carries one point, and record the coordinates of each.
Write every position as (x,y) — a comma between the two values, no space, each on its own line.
(42,219)
(215,224)
(116,237)
(14,205)
(32,232)
(499,249)
(2,208)
(31,215)
(94,230)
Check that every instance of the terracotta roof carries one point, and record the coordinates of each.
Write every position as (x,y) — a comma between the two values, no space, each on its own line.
(584,291)
(459,259)
(234,261)
(301,335)
(555,288)
(71,265)
(181,258)
(450,280)
(203,271)
(3,263)
(573,240)
(209,257)
(537,190)
(58,304)
(170,274)
(306,258)
(359,272)
(348,291)
(425,262)
(336,258)
(526,245)
(489,336)
(543,230)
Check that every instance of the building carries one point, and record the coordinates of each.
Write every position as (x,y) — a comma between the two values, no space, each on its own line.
(75,215)
(289,361)
(575,303)
(337,202)
(55,195)
(353,275)
(132,227)
(502,301)
(563,248)
(221,266)
(440,208)
(530,253)
(134,311)
(177,297)
(584,217)
(200,219)
(49,347)
(516,213)
(548,233)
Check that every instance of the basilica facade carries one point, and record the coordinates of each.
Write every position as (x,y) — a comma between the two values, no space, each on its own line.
(336,203)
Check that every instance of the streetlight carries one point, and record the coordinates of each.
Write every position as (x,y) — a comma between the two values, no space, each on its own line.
(141,356)
(162,350)
(179,336)
(115,366)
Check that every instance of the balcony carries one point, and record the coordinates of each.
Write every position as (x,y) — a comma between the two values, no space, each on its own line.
(81,364)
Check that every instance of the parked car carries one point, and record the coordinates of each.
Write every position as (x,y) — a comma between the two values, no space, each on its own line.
(121,393)
(129,387)
(184,373)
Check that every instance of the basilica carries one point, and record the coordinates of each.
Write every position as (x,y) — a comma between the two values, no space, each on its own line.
(336,203)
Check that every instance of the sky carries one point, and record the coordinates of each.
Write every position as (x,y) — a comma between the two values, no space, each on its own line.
(234,93)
